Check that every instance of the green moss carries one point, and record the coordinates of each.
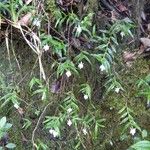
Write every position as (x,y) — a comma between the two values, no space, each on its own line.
(53,9)
(92,6)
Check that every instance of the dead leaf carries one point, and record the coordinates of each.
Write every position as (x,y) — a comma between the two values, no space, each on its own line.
(129,64)
(114,15)
(148,27)
(25,20)
(55,87)
(20,111)
(28,1)
(143,16)
(122,8)
(24,139)
(129,56)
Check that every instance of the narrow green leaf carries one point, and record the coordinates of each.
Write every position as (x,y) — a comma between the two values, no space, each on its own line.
(124,120)
(120,111)
(142,145)
(2,122)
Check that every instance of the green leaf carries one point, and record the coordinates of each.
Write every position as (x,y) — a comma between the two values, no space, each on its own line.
(68,65)
(114,40)
(2,122)
(42,145)
(98,57)
(124,120)
(144,134)
(1,148)
(113,48)
(106,64)
(102,46)
(10,146)
(142,145)
(96,131)
(33,82)
(82,56)
(110,88)
(124,115)
(94,31)
(77,145)
(8,126)
(122,110)
(86,89)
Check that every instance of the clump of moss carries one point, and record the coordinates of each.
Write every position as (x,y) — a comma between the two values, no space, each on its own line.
(53,9)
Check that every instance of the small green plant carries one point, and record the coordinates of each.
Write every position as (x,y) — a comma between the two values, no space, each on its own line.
(144,87)
(9,93)
(4,127)
(41,90)
(41,146)
(83,56)
(10,97)
(86,90)
(27,123)
(69,107)
(84,25)
(128,120)
(14,8)
(66,66)
(69,116)
(56,45)
(113,85)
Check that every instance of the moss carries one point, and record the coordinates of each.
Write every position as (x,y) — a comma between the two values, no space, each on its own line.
(52,9)
(114,102)
(92,6)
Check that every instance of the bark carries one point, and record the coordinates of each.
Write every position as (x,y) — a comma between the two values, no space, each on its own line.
(137,9)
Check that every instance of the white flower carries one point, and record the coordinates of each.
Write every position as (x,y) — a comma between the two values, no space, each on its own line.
(117,90)
(69,122)
(46,47)
(69,110)
(86,97)
(53,132)
(36,22)
(16,106)
(68,73)
(102,68)
(80,66)
(79,29)
(132,131)
(122,34)
(84,131)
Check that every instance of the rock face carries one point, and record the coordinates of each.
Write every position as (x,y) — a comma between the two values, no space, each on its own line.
(145,42)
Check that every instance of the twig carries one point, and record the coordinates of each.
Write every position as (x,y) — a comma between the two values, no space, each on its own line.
(7,45)
(38,123)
